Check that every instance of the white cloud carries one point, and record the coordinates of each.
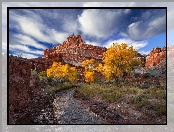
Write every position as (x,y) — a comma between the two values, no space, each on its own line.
(26,40)
(25,49)
(70,25)
(142,30)
(99,23)
(19,47)
(33,28)
(136,44)
(26,55)
(123,34)
(127,11)
(92,43)
(60,37)
(134,30)
(144,52)
(170,16)
(158,21)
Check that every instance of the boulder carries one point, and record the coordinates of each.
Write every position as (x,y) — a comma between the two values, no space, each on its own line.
(155,56)
(145,85)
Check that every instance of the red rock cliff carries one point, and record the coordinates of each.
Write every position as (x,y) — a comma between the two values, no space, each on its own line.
(23,88)
(74,50)
(155,56)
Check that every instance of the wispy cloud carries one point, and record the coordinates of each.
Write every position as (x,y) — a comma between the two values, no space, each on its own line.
(26,55)
(25,40)
(35,27)
(59,36)
(144,52)
(99,23)
(150,25)
(92,43)
(136,44)
(53,27)
(25,49)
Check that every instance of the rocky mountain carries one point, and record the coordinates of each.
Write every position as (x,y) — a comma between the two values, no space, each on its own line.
(24,91)
(156,60)
(155,56)
(72,51)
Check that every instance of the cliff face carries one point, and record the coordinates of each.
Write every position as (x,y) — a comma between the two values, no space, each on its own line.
(74,50)
(155,56)
(23,89)
(40,64)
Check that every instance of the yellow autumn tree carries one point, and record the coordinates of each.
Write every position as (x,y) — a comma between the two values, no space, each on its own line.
(90,68)
(57,70)
(119,58)
(72,74)
(89,76)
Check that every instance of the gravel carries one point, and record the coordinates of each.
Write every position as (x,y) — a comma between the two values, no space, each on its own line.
(69,110)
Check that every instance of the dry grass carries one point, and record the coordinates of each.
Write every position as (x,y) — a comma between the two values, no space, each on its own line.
(143,100)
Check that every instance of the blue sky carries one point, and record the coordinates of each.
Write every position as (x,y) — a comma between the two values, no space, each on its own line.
(32,31)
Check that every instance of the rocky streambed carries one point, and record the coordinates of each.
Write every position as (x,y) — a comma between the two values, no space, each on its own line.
(67,110)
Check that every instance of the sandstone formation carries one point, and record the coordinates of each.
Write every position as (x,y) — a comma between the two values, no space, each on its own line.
(23,89)
(155,56)
(19,75)
(74,50)
(40,64)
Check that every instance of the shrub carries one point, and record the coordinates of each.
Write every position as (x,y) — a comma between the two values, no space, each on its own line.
(135,100)
(141,104)
(146,75)
(43,74)
(51,90)
(34,73)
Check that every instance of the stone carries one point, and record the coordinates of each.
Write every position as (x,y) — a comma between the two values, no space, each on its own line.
(145,85)
(24,89)
(155,56)
(117,116)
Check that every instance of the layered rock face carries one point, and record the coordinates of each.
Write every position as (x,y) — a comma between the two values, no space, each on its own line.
(23,89)
(40,64)
(74,50)
(155,57)
(19,76)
